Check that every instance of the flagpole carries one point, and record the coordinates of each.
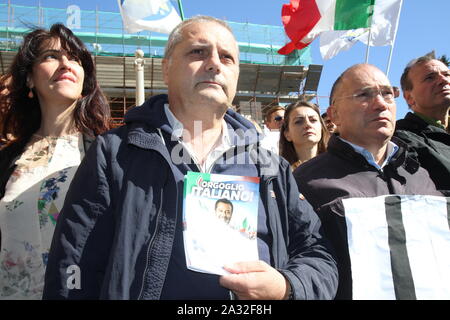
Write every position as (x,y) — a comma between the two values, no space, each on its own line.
(180,7)
(368,38)
(393,41)
(368,43)
(7,26)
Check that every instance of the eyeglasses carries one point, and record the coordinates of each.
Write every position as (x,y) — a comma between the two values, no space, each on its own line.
(278,118)
(368,94)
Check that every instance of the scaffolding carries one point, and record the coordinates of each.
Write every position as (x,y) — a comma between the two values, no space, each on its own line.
(266,77)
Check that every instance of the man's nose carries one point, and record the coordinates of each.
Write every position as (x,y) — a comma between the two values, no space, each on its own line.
(444,78)
(379,103)
(213,62)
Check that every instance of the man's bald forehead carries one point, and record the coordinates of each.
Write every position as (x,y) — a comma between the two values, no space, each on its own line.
(348,75)
(338,83)
(178,33)
(358,67)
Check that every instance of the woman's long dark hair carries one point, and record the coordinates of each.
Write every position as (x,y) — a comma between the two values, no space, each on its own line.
(287,149)
(20,116)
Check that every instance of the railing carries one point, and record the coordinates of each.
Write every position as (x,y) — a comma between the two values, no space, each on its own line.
(103,34)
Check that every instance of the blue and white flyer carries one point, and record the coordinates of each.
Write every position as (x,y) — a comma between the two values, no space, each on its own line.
(220,218)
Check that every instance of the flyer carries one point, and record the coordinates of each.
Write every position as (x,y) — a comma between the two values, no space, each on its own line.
(220,218)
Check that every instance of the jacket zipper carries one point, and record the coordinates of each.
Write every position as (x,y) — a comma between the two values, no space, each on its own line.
(271,226)
(150,246)
(213,164)
(387,179)
(152,240)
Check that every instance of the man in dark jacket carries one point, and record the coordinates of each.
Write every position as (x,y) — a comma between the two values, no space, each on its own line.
(120,233)
(363,161)
(426,88)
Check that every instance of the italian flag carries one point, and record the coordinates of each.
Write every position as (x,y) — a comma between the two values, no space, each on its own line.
(304,20)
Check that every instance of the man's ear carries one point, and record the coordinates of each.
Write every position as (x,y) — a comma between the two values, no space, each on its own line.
(333,115)
(165,69)
(409,98)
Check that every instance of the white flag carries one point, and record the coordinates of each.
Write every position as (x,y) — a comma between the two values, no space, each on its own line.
(333,42)
(384,27)
(399,247)
(384,23)
(154,15)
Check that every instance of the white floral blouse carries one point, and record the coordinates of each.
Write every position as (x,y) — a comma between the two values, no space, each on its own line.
(34,196)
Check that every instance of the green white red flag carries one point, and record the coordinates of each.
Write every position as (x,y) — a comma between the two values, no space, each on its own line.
(340,22)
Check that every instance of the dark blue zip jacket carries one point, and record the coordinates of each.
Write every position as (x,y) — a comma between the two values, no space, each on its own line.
(116,231)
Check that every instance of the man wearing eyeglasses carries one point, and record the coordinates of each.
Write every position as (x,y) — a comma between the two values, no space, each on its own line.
(363,161)
(426,88)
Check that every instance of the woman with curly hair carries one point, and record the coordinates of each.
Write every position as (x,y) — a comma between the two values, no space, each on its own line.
(51,108)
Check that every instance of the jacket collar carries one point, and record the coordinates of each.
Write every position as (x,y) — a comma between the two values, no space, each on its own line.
(401,158)
(391,149)
(405,156)
(178,128)
(149,121)
(430,121)
(413,122)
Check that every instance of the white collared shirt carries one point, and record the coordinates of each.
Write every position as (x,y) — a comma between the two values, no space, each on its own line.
(270,140)
(390,151)
(222,144)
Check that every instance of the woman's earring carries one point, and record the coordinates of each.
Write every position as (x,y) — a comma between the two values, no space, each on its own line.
(30,94)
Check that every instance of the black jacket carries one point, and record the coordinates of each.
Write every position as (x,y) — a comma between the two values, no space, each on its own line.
(121,213)
(8,157)
(343,173)
(432,145)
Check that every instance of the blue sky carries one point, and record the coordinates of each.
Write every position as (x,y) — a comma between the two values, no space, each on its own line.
(424,26)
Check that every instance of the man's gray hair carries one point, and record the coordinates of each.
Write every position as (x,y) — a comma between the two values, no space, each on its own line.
(176,36)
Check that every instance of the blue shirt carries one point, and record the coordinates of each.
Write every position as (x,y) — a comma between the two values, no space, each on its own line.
(391,150)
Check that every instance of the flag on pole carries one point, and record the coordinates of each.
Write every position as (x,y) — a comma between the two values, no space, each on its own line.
(304,20)
(154,15)
(383,29)
(332,42)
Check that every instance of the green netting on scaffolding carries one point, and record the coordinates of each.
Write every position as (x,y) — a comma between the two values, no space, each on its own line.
(103,34)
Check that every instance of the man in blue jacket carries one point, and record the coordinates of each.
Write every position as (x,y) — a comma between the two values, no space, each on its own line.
(120,233)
